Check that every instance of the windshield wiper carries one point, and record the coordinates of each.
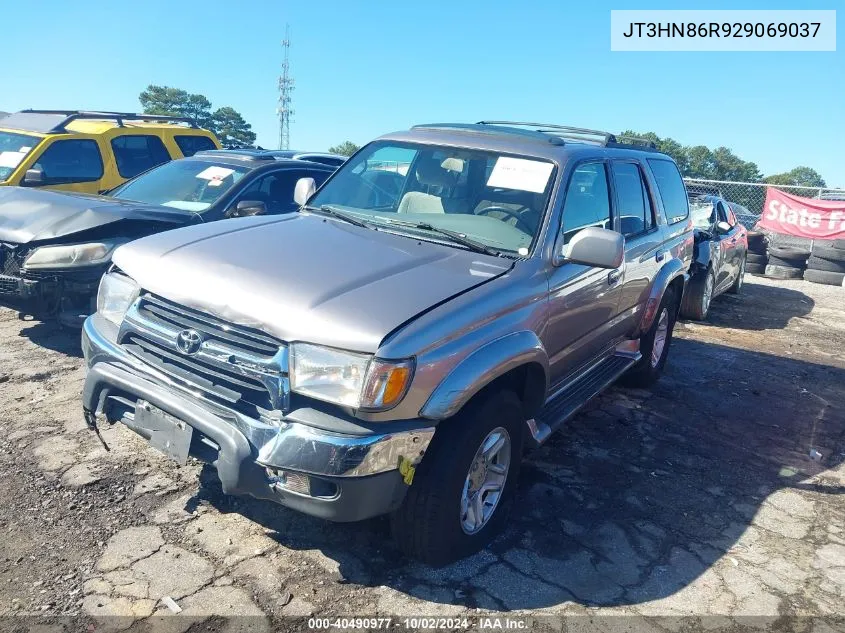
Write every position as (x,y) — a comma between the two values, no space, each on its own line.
(341,215)
(454,236)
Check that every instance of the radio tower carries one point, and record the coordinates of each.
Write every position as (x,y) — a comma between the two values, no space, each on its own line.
(285,89)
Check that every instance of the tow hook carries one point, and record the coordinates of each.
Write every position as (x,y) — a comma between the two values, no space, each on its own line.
(91,423)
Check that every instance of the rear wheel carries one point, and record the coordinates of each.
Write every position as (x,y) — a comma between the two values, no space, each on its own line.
(463,489)
(654,345)
(736,288)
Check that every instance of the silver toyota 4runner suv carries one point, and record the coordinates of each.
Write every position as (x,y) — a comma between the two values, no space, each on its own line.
(445,301)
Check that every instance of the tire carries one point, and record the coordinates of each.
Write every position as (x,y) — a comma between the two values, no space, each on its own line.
(783,272)
(754,258)
(755,269)
(757,242)
(428,525)
(830,253)
(736,288)
(787,262)
(824,277)
(648,369)
(696,302)
(827,265)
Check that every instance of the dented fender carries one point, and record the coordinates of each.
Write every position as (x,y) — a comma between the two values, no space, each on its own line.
(480,368)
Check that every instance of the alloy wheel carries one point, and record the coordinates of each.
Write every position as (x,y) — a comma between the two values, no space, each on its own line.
(485,482)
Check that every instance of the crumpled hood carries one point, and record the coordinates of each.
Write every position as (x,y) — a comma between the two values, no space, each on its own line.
(304,277)
(30,215)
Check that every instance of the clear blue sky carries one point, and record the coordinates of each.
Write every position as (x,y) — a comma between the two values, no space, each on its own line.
(364,68)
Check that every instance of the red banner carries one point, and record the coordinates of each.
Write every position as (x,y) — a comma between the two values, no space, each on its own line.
(804,217)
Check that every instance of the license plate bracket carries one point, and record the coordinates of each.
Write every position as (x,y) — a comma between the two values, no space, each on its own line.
(168,434)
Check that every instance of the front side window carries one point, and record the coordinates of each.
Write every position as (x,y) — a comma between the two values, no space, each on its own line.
(703,214)
(72,160)
(671,188)
(633,204)
(187,184)
(275,190)
(190,145)
(13,149)
(136,153)
(587,201)
(496,200)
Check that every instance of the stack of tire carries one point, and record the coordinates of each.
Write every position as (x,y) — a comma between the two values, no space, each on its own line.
(827,263)
(787,262)
(757,255)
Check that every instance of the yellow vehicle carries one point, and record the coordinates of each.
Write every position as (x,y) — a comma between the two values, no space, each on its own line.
(91,152)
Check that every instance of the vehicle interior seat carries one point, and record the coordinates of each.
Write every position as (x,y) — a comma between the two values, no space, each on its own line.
(436,175)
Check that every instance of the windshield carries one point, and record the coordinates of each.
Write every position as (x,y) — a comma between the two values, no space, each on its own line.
(703,214)
(13,148)
(190,185)
(495,200)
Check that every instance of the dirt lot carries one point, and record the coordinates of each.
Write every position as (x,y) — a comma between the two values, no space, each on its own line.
(718,495)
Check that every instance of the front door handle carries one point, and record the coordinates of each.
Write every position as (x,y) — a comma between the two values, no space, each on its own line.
(661,255)
(613,276)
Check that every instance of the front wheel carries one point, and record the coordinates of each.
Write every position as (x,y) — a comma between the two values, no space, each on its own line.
(463,489)
(654,345)
(698,295)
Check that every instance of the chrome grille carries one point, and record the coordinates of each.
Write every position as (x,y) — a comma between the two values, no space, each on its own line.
(242,368)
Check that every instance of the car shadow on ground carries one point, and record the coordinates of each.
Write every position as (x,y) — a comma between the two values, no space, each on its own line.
(52,335)
(759,307)
(636,498)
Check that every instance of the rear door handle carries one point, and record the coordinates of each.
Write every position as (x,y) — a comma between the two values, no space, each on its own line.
(613,276)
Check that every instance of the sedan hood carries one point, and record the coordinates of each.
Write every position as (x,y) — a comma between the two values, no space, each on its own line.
(303,277)
(34,215)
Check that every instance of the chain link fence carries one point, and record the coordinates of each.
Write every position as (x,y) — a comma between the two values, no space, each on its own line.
(748,198)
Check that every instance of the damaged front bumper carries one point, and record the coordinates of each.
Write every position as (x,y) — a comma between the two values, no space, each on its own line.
(348,473)
(68,295)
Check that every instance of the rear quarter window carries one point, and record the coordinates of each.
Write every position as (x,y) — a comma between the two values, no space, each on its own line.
(671,188)
(135,153)
(190,145)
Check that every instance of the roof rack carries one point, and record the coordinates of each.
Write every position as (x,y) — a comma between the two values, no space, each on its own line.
(580,134)
(244,153)
(120,117)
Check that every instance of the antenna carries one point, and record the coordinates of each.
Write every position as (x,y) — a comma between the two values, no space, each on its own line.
(285,89)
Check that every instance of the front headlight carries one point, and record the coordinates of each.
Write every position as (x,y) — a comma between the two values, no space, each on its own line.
(115,295)
(348,378)
(72,255)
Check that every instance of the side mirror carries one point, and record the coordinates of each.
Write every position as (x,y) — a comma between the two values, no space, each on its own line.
(248,207)
(33,177)
(597,247)
(723,227)
(305,188)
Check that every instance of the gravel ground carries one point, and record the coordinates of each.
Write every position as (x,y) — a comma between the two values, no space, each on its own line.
(713,500)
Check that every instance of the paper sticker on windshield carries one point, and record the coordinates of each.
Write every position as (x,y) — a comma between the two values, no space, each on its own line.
(11,159)
(24,149)
(521,174)
(215,173)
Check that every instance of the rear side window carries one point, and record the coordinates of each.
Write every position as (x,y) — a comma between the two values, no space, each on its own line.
(72,160)
(587,201)
(136,153)
(671,188)
(190,145)
(633,203)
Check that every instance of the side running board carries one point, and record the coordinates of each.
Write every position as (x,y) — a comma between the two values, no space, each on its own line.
(567,402)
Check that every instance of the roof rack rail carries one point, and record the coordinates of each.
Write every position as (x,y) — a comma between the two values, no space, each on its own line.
(120,117)
(580,134)
(245,153)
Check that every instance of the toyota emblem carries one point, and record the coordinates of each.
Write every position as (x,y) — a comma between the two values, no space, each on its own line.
(189,341)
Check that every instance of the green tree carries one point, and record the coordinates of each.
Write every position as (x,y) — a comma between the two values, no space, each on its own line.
(800,176)
(227,123)
(347,148)
(231,128)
